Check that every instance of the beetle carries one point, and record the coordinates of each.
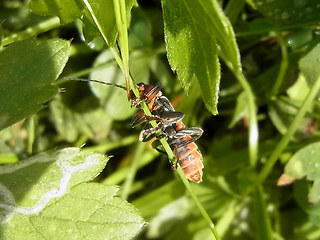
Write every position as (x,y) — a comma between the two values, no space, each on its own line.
(180,139)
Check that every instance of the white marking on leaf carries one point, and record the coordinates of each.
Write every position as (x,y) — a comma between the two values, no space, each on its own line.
(63,161)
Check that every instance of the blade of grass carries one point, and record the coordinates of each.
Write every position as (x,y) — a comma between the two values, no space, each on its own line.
(283,65)
(202,210)
(133,169)
(225,221)
(262,222)
(291,130)
(118,176)
(41,27)
(233,9)
(253,122)
(31,135)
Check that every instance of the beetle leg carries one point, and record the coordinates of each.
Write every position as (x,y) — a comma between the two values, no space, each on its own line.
(149,132)
(140,117)
(185,136)
(147,96)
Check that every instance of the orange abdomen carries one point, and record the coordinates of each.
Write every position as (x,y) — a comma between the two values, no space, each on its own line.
(190,160)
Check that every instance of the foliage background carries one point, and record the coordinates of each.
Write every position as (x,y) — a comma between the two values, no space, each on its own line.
(279,46)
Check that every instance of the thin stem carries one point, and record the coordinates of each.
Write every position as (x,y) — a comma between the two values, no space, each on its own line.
(262,219)
(108,146)
(121,21)
(283,66)
(253,124)
(132,171)
(125,47)
(118,176)
(233,9)
(6,158)
(117,57)
(291,130)
(198,204)
(31,135)
(41,27)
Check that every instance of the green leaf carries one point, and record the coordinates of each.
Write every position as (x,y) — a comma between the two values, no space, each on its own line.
(241,109)
(89,211)
(47,176)
(289,12)
(31,184)
(66,10)
(103,12)
(262,220)
(314,214)
(113,99)
(299,90)
(306,162)
(177,209)
(46,195)
(71,124)
(193,31)
(309,65)
(282,112)
(27,70)
(140,30)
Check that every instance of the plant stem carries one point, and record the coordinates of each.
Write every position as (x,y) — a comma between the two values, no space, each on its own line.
(121,21)
(253,124)
(132,171)
(262,219)
(41,27)
(233,9)
(96,21)
(291,130)
(203,212)
(283,66)
(31,135)
(118,176)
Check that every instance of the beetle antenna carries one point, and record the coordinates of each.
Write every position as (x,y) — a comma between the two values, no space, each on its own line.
(96,81)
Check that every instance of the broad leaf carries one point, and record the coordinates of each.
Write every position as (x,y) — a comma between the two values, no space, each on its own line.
(194,30)
(89,211)
(71,125)
(27,70)
(47,195)
(309,65)
(66,10)
(306,163)
(289,12)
